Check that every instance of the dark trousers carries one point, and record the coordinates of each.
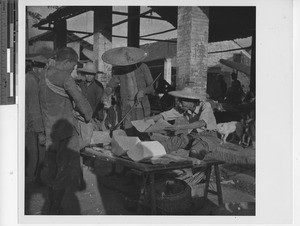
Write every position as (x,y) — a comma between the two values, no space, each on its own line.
(34,155)
(63,161)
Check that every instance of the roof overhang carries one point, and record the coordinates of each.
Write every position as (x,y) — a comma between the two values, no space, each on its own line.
(225,22)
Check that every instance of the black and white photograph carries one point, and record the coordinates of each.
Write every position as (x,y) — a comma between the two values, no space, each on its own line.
(148,110)
(140,110)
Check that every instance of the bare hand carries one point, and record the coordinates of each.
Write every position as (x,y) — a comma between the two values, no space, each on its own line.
(172,128)
(140,95)
(108,91)
(42,139)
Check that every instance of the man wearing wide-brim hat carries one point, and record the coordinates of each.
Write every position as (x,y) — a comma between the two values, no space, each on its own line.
(90,87)
(195,124)
(135,80)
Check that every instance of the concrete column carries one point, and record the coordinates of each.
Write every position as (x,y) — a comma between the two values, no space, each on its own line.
(168,70)
(133,26)
(60,31)
(102,40)
(192,46)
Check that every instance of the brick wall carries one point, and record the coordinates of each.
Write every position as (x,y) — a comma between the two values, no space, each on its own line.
(192,39)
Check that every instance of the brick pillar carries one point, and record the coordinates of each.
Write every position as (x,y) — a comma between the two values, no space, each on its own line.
(192,46)
(102,40)
(133,26)
(60,31)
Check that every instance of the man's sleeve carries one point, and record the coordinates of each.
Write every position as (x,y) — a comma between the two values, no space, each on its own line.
(113,82)
(148,79)
(99,91)
(33,103)
(207,115)
(81,103)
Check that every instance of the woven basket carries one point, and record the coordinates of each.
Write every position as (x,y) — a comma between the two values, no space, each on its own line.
(176,201)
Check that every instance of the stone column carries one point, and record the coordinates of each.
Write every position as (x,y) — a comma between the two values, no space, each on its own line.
(133,26)
(60,31)
(168,70)
(102,40)
(192,46)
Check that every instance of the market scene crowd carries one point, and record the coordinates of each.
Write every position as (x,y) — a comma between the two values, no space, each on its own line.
(69,111)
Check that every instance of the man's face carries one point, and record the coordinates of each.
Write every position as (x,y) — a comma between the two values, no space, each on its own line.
(74,74)
(89,77)
(37,69)
(69,65)
(186,105)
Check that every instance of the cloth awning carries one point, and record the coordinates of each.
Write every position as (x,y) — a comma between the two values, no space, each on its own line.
(238,66)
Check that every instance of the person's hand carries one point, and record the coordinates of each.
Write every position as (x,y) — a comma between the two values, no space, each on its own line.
(108,91)
(42,139)
(172,128)
(140,95)
(51,62)
(147,118)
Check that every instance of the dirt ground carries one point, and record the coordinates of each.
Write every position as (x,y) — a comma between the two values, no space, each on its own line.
(115,195)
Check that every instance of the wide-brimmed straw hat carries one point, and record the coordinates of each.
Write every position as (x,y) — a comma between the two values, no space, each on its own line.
(123,56)
(188,93)
(89,68)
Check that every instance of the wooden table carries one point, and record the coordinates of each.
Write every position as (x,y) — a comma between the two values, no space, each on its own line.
(148,171)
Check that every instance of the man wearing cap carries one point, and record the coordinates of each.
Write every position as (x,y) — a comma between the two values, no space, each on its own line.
(34,129)
(60,98)
(198,132)
(135,82)
(90,87)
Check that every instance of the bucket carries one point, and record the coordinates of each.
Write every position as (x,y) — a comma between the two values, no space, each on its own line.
(173,196)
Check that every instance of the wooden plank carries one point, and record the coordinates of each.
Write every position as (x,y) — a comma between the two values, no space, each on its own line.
(135,165)
(105,155)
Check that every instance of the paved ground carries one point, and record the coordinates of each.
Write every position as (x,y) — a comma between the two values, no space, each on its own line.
(117,195)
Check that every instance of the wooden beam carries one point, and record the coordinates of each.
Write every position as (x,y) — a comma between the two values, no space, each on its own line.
(120,13)
(60,34)
(80,32)
(152,17)
(229,50)
(119,36)
(79,39)
(126,20)
(133,26)
(157,33)
(158,40)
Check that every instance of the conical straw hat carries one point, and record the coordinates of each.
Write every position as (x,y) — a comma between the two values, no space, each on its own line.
(123,56)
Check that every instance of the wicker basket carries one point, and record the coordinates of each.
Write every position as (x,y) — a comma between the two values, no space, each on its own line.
(173,196)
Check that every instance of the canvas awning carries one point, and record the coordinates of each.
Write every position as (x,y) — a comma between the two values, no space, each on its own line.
(238,66)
